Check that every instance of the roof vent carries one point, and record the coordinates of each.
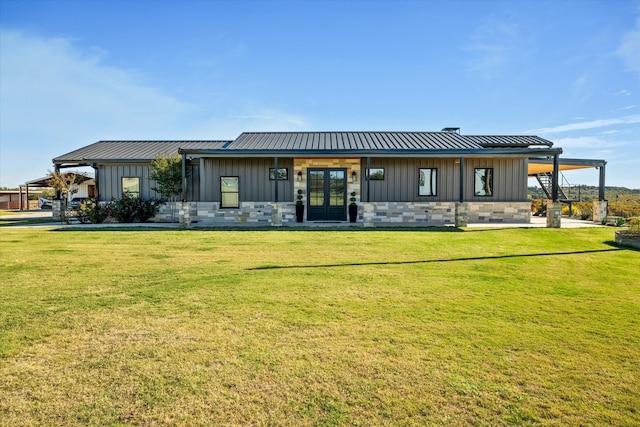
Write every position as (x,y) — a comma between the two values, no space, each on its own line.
(451,130)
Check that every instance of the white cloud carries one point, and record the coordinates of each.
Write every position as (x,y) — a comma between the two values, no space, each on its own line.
(593,124)
(57,97)
(629,49)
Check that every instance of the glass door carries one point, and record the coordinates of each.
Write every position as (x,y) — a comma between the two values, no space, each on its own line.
(327,194)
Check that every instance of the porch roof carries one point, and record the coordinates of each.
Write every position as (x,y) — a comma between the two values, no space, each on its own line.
(130,151)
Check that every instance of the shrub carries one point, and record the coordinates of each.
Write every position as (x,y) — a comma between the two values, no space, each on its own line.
(130,208)
(634,226)
(90,211)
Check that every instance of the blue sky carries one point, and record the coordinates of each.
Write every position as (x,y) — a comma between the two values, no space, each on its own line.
(75,72)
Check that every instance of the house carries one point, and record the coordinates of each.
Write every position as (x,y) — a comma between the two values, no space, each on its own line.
(401,178)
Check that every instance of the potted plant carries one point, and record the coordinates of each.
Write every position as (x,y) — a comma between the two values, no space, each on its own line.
(353,208)
(299,207)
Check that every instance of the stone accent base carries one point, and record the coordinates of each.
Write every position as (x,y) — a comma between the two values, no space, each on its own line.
(462,217)
(554,214)
(369,214)
(600,210)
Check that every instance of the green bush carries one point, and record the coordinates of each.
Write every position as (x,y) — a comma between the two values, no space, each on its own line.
(131,208)
(90,211)
(634,225)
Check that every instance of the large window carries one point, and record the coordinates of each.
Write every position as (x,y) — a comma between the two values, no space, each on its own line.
(131,185)
(229,189)
(483,181)
(283,174)
(427,182)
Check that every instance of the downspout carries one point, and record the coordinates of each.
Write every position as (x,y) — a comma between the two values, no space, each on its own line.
(461,188)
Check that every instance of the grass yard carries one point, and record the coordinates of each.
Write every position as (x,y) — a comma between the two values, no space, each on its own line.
(318,328)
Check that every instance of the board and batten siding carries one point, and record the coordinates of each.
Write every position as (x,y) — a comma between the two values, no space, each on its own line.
(253,174)
(110,180)
(400,182)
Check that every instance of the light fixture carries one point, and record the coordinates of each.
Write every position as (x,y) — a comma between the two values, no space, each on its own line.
(299,175)
(354,177)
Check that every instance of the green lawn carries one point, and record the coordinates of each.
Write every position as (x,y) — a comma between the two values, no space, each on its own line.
(322,328)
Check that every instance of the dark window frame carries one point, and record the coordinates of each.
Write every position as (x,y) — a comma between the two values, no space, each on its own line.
(222,192)
(372,174)
(133,193)
(433,180)
(486,186)
(272,175)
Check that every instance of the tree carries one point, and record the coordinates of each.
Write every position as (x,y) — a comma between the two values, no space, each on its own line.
(66,183)
(166,171)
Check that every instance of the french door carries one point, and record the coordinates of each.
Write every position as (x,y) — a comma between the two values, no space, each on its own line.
(327,194)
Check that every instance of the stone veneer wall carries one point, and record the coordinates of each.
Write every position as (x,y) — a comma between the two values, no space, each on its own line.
(517,212)
(369,214)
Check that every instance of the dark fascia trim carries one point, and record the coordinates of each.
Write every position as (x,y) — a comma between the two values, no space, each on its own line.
(569,162)
(493,152)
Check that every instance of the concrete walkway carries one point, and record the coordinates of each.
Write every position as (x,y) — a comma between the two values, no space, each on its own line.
(536,222)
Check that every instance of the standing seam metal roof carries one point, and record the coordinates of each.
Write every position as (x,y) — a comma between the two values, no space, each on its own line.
(303,142)
(133,150)
(310,141)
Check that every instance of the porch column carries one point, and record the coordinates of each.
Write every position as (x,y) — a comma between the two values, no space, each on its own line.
(27,196)
(183,171)
(367,172)
(554,214)
(461,215)
(554,184)
(600,209)
(20,195)
(601,184)
(461,188)
(275,163)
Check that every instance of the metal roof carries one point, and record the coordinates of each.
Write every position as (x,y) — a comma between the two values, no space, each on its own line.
(132,150)
(520,141)
(318,144)
(351,141)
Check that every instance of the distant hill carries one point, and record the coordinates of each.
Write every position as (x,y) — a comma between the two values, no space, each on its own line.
(589,193)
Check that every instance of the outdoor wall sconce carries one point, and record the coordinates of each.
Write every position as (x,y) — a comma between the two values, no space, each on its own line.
(354,177)
(299,176)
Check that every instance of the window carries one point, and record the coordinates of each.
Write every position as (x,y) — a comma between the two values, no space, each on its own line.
(229,191)
(483,182)
(283,174)
(427,182)
(376,174)
(131,185)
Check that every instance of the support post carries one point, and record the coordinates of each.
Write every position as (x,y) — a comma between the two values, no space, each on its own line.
(275,161)
(461,188)
(554,184)
(461,215)
(368,175)
(601,196)
(183,171)
(27,196)
(554,214)
(21,201)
